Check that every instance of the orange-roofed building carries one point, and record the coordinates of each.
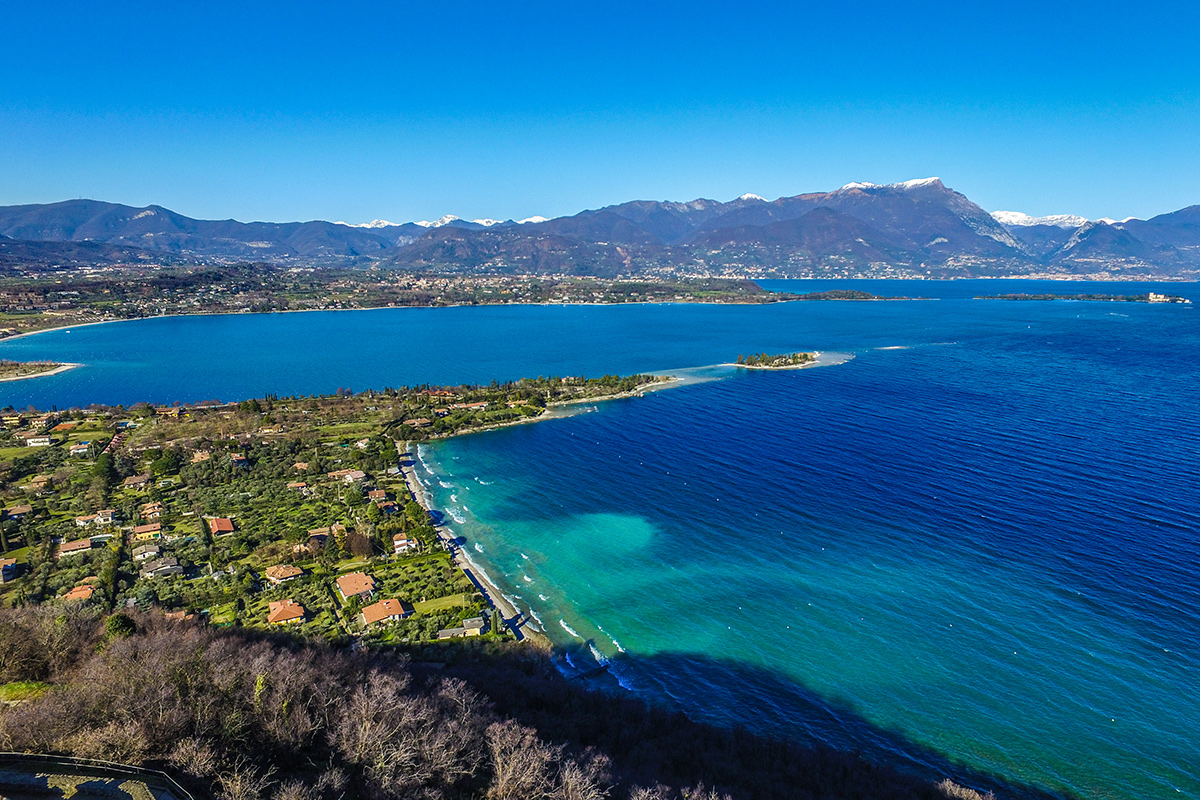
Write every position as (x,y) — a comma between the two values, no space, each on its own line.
(80,593)
(386,611)
(283,612)
(220,526)
(356,584)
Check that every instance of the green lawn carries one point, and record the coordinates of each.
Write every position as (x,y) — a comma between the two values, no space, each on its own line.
(20,554)
(224,614)
(442,603)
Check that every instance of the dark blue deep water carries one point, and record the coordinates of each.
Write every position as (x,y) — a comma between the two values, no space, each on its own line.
(973,546)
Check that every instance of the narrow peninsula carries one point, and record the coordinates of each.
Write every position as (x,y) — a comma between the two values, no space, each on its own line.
(20,370)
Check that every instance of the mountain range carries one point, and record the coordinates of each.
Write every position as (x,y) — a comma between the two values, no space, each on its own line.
(915,228)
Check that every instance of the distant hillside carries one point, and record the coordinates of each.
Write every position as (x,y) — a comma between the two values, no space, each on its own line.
(917,228)
(15,253)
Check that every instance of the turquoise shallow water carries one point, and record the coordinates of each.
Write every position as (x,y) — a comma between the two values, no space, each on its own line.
(975,541)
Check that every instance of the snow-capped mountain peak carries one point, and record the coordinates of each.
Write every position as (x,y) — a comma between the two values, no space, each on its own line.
(531,220)
(1018,219)
(446,220)
(749,196)
(487,223)
(375,223)
(916,183)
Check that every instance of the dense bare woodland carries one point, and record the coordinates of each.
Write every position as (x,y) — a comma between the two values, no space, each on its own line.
(240,716)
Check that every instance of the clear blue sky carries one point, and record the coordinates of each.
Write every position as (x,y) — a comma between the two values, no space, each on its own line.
(295,111)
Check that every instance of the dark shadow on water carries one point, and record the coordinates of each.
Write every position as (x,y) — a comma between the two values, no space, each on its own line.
(802,745)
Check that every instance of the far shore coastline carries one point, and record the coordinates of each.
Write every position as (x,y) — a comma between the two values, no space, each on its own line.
(16,336)
(1059,279)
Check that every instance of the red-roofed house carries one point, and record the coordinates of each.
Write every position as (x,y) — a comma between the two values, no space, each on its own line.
(356,584)
(220,526)
(71,548)
(386,611)
(148,533)
(80,593)
(282,612)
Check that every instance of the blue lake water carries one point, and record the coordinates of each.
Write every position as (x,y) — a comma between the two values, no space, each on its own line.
(975,541)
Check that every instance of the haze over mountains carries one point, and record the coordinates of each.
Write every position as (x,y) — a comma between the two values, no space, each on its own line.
(915,228)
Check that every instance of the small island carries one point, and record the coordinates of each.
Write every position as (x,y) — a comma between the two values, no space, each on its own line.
(783,361)
(1150,297)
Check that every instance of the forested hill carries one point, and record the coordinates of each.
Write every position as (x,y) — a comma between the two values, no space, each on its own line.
(240,715)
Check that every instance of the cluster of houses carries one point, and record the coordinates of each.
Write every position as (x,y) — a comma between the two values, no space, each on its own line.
(44,431)
(39,434)
(146,542)
(362,586)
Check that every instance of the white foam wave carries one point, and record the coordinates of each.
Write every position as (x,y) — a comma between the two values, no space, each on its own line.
(527,579)
(610,636)
(524,556)
(569,629)
(421,451)
(596,654)
(537,617)
(453,498)
(543,598)
(445,485)
(478,547)
(457,517)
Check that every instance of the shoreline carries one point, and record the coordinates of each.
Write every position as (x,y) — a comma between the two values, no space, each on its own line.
(555,410)
(513,617)
(815,362)
(61,368)
(16,336)
(1064,278)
